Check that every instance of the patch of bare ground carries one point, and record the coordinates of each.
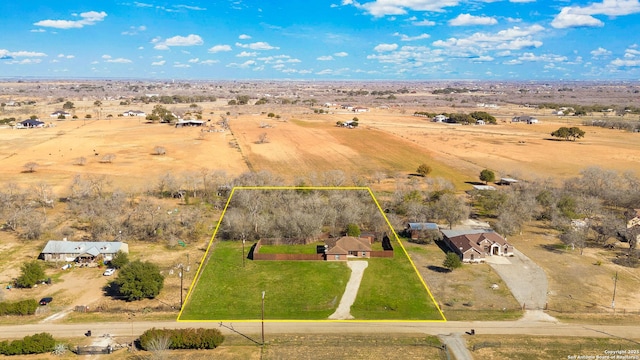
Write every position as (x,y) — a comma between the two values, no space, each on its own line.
(393,346)
(544,347)
(466,293)
(581,286)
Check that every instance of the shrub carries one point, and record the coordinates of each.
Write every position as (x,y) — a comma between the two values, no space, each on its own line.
(183,338)
(31,273)
(23,307)
(452,261)
(36,344)
(138,280)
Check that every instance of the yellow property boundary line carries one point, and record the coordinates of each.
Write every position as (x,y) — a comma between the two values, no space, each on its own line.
(361,188)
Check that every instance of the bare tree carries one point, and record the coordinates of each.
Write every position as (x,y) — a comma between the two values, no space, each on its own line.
(80,161)
(451,208)
(30,167)
(108,158)
(159,150)
(262,138)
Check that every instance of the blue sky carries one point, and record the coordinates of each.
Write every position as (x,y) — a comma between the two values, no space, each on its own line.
(322,40)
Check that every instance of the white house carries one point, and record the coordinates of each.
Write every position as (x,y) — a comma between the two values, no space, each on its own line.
(440,118)
(134,113)
(56,114)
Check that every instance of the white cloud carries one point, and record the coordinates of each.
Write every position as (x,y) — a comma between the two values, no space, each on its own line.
(515,38)
(106,56)
(179,65)
(380,8)
(325,58)
(158,63)
(194,60)
(522,1)
(404,37)
(260,45)
(542,58)
(118,61)
(134,30)
(567,19)
(575,16)
(424,23)
(468,19)
(189,40)
(341,54)
(244,65)
(9,55)
(600,52)
(219,48)
(87,18)
(625,63)
(385,47)
(209,62)
(63,56)
(247,54)
(244,37)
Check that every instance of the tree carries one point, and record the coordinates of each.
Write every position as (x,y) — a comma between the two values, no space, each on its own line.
(30,167)
(487,175)
(572,133)
(97,103)
(68,105)
(353,230)
(120,260)
(159,150)
(424,169)
(31,273)
(139,280)
(452,261)
(242,99)
(483,115)
(451,208)
(262,139)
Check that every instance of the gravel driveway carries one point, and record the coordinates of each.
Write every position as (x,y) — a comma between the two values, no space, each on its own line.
(343,312)
(526,280)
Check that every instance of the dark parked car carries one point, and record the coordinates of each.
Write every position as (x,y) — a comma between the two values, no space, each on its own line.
(45,300)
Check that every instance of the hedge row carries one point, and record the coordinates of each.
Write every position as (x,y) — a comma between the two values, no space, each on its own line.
(23,307)
(184,338)
(35,344)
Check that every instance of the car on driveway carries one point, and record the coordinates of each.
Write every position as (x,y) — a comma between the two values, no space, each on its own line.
(109,272)
(45,300)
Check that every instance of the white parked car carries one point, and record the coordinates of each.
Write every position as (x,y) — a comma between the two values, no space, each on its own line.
(109,272)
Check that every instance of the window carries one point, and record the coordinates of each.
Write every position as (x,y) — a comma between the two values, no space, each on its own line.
(337,257)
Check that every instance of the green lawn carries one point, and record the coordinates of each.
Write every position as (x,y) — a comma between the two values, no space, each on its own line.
(304,290)
(391,289)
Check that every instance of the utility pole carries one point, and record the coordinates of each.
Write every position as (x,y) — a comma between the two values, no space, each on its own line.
(242,252)
(263,318)
(181,287)
(615,283)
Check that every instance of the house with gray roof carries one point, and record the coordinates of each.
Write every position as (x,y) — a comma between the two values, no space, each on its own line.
(81,251)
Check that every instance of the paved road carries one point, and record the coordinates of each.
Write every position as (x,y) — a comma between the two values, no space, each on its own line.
(457,346)
(127,330)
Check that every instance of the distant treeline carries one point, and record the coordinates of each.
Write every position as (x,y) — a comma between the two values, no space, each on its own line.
(461,118)
(633,126)
(451,90)
(585,109)
(175,99)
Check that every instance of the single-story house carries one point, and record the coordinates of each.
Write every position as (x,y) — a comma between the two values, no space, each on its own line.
(476,245)
(360,109)
(417,229)
(30,123)
(339,249)
(57,114)
(134,113)
(440,118)
(506,181)
(480,122)
(525,119)
(182,123)
(81,251)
